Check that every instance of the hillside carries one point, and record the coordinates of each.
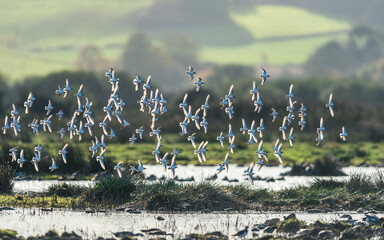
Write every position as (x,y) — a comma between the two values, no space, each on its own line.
(41,36)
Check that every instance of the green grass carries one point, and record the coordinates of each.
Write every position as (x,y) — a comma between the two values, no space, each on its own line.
(272,21)
(345,153)
(280,52)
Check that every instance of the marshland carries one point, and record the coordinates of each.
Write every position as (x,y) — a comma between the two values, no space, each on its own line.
(191,120)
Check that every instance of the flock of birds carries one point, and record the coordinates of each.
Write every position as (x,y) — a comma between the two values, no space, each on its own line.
(154,102)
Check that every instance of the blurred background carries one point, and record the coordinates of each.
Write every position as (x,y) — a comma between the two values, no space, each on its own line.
(321,46)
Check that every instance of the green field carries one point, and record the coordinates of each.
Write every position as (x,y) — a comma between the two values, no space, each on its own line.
(43,36)
(272,21)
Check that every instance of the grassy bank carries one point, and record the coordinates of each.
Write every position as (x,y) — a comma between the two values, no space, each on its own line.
(345,154)
(360,191)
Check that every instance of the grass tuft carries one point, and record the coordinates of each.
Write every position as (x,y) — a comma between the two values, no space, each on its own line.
(111,190)
(326,184)
(66,190)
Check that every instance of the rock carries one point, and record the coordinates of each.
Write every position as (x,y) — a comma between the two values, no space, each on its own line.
(88,210)
(326,210)
(120,209)
(47,209)
(160,218)
(272,222)
(206,211)
(269,229)
(326,234)
(6,209)
(290,216)
(228,209)
(271,179)
(313,211)
(302,233)
(39,178)
(361,210)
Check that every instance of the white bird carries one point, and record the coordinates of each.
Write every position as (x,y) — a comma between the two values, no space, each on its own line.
(278,153)
(198,83)
(6,125)
(291,137)
(190,73)
(320,138)
(54,165)
(244,129)
(111,133)
(80,131)
(100,158)
(254,91)
(118,169)
(173,167)
(67,88)
(302,110)
(147,85)
(302,122)
(141,166)
(260,163)
(330,105)
(230,132)
(60,114)
(226,162)
(258,103)
(249,172)
(14,111)
(261,152)
(80,92)
(204,124)
(232,145)
(93,149)
(164,161)
(264,76)
(59,91)
(21,159)
(276,145)
(184,105)
(137,81)
(230,93)
(221,168)
(140,131)
(321,128)
(290,94)
(196,118)
(252,133)
(192,139)
(283,127)
(38,149)
(261,128)
(221,139)
(13,154)
(205,107)
(35,161)
(133,139)
(343,134)
(274,114)
(63,152)
(175,152)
